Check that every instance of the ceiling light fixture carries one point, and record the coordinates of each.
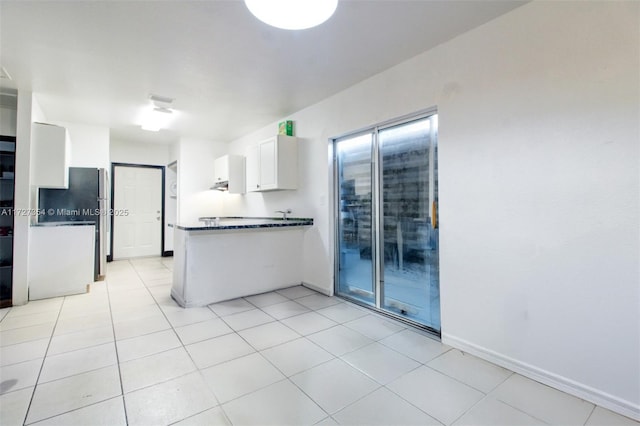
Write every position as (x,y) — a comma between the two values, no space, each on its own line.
(156,119)
(292,14)
(158,115)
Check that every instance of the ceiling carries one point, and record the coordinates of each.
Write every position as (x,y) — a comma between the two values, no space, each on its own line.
(97,62)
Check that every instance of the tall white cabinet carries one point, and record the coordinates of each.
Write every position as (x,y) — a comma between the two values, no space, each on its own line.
(50,152)
(273,164)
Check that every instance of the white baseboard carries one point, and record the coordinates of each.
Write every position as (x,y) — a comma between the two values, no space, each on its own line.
(318,289)
(603,399)
(175,296)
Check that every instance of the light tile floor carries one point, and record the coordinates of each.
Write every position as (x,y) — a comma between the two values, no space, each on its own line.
(125,353)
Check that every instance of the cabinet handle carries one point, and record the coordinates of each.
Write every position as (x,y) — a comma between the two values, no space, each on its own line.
(434,219)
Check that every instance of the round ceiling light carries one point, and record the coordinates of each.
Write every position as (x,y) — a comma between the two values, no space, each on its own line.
(292,14)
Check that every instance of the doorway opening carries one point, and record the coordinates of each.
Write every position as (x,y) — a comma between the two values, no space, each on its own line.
(386,202)
(137,211)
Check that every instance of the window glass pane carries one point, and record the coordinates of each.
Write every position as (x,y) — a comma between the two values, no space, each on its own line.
(355,263)
(392,262)
(409,252)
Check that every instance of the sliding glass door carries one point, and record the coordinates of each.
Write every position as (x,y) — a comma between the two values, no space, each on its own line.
(355,217)
(409,239)
(387,202)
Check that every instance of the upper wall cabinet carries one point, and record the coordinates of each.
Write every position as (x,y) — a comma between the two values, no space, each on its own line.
(273,164)
(229,174)
(50,150)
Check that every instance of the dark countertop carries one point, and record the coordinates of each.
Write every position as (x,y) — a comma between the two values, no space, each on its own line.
(224,223)
(69,223)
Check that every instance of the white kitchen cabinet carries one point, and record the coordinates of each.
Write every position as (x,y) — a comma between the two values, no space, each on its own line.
(50,150)
(253,169)
(216,264)
(61,260)
(229,173)
(273,164)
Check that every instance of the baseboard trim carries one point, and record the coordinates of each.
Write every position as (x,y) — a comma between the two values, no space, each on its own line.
(318,289)
(168,253)
(175,296)
(608,401)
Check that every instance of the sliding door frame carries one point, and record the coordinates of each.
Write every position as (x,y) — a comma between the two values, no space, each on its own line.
(377,221)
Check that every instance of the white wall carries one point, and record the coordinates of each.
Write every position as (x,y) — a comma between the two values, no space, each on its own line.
(8,119)
(28,111)
(89,145)
(174,152)
(139,153)
(548,158)
(539,189)
(195,177)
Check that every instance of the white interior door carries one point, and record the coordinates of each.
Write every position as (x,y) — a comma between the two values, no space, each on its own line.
(138,194)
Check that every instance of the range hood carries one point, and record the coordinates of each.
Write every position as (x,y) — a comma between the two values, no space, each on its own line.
(228,174)
(221,186)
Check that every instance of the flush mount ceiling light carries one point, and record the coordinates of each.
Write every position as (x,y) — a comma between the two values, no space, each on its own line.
(158,115)
(292,14)
(156,118)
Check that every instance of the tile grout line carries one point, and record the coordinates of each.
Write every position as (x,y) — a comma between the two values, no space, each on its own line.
(256,351)
(514,407)
(44,357)
(289,378)
(409,402)
(590,414)
(286,377)
(384,385)
(259,352)
(420,364)
(61,378)
(183,346)
(334,357)
(113,329)
(461,382)
(60,314)
(519,409)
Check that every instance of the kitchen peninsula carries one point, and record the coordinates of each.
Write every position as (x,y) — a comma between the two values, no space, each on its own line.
(221,259)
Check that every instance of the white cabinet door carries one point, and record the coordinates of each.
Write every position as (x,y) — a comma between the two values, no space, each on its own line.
(50,156)
(54,272)
(287,162)
(221,169)
(273,164)
(253,169)
(268,165)
(230,169)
